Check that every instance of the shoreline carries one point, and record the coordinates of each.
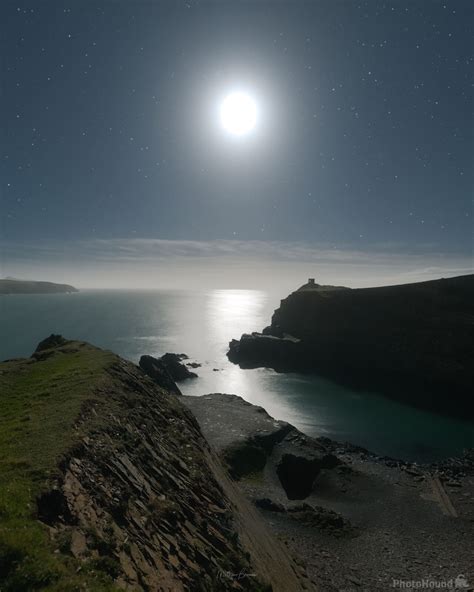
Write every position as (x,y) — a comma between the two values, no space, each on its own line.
(411,342)
(437,458)
(150,489)
(460,462)
(360,519)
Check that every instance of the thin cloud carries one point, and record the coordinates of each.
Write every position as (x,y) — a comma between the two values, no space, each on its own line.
(145,262)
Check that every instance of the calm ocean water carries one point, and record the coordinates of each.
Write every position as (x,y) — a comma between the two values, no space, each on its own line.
(201,324)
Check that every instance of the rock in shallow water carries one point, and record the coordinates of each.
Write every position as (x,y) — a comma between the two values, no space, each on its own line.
(175,367)
(158,372)
(166,370)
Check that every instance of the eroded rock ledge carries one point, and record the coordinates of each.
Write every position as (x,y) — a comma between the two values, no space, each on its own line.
(356,520)
(248,440)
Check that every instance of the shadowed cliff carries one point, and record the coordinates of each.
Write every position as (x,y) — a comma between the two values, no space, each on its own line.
(414,342)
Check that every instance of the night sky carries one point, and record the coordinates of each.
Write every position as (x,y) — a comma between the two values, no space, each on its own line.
(110,130)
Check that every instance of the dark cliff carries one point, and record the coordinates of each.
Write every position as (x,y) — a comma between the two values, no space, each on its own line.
(414,342)
(106,483)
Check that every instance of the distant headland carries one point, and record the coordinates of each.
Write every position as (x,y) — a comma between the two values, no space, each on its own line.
(14,286)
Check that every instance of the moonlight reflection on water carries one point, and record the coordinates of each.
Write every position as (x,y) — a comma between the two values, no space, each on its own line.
(201,324)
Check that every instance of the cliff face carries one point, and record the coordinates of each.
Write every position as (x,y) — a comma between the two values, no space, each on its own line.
(31,287)
(414,342)
(106,482)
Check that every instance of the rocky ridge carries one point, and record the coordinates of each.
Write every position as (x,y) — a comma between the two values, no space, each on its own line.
(140,498)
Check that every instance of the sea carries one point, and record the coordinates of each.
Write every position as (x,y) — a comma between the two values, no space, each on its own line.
(201,324)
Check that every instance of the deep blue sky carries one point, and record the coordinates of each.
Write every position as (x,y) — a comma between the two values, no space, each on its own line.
(366,136)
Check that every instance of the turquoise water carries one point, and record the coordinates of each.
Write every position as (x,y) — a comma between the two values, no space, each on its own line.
(201,324)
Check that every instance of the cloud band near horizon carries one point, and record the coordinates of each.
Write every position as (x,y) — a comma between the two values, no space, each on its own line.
(155,263)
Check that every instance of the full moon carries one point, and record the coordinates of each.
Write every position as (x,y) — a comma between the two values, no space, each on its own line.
(238,113)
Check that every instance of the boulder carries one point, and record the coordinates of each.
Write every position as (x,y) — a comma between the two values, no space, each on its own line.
(175,367)
(298,473)
(158,372)
(167,370)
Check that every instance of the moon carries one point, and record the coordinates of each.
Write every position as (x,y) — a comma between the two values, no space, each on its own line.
(238,113)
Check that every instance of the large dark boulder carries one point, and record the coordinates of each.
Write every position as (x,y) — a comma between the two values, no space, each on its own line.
(174,365)
(244,459)
(298,473)
(158,372)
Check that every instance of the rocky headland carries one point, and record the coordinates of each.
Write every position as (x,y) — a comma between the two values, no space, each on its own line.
(110,479)
(12,286)
(107,483)
(413,342)
(167,370)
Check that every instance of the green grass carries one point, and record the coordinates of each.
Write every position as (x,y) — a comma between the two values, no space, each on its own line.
(40,403)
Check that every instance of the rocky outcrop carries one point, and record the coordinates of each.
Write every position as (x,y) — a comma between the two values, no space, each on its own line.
(158,372)
(193,364)
(142,495)
(50,342)
(365,519)
(297,473)
(138,499)
(166,370)
(247,443)
(178,371)
(414,342)
(282,352)
(254,441)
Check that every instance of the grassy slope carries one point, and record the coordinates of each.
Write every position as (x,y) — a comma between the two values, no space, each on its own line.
(39,405)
